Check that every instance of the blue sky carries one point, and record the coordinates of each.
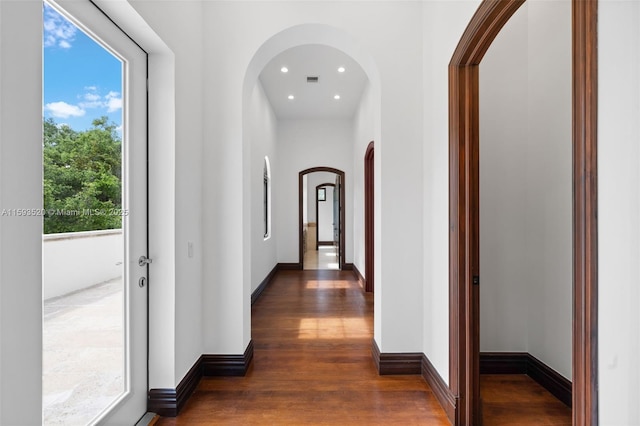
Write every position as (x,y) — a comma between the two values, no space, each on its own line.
(82,80)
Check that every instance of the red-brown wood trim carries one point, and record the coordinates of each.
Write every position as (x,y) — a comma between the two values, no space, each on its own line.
(357,274)
(255,295)
(342,212)
(289,266)
(322,185)
(525,363)
(396,363)
(585,204)
(463,207)
(441,391)
(369,208)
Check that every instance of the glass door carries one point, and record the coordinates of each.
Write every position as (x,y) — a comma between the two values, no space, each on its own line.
(95,219)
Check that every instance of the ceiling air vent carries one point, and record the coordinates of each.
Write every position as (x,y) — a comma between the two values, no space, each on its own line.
(312,79)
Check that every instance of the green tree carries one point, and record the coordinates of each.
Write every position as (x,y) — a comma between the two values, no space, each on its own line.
(82,177)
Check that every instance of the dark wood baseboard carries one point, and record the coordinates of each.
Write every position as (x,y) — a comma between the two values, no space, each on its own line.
(289,266)
(168,402)
(164,402)
(326,243)
(550,379)
(525,363)
(348,267)
(441,390)
(396,363)
(359,277)
(227,365)
(263,285)
(503,362)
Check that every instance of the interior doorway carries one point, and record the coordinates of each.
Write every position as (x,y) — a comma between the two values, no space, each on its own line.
(321,244)
(464,203)
(369,229)
(321,251)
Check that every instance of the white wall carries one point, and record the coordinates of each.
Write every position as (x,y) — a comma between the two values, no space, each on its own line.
(443,23)
(171,32)
(325,216)
(618,211)
(363,134)
(20,187)
(525,186)
(549,195)
(78,260)
(263,125)
(303,144)
(504,188)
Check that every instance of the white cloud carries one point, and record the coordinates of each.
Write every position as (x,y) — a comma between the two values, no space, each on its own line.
(91,100)
(57,30)
(91,97)
(112,101)
(64,110)
(114,104)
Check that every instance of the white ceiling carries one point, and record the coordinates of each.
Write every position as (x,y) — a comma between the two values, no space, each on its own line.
(313,100)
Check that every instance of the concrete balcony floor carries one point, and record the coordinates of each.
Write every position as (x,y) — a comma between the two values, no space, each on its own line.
(83,353)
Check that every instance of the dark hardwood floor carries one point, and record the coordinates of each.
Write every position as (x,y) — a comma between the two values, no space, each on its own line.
(312,365)
(516,399)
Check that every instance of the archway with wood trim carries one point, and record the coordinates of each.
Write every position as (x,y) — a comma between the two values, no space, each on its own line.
(464,232)
(341,191)
(369,209)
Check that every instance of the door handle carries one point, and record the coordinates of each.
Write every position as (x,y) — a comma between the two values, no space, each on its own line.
(144,260)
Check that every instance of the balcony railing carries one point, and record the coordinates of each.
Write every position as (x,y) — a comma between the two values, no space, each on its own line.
(77,260)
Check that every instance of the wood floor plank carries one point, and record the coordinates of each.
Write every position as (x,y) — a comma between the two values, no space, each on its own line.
(312,365)
(516,399)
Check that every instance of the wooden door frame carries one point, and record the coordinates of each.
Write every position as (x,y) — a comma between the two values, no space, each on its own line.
(369,208)
(322,185)
(488,20)
(343,225)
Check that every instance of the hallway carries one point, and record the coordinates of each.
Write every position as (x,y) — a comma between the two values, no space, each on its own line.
(312,364)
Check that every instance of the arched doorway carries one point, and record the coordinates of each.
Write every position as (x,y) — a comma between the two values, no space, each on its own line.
(490,17)
(340,191)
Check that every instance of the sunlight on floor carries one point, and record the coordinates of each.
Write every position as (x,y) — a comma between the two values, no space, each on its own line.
(326,257)
(327,284)
(333,328)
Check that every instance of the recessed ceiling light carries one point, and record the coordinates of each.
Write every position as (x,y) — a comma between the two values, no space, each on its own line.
(341,69)
(284,69)
(336,97)
(290,97)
